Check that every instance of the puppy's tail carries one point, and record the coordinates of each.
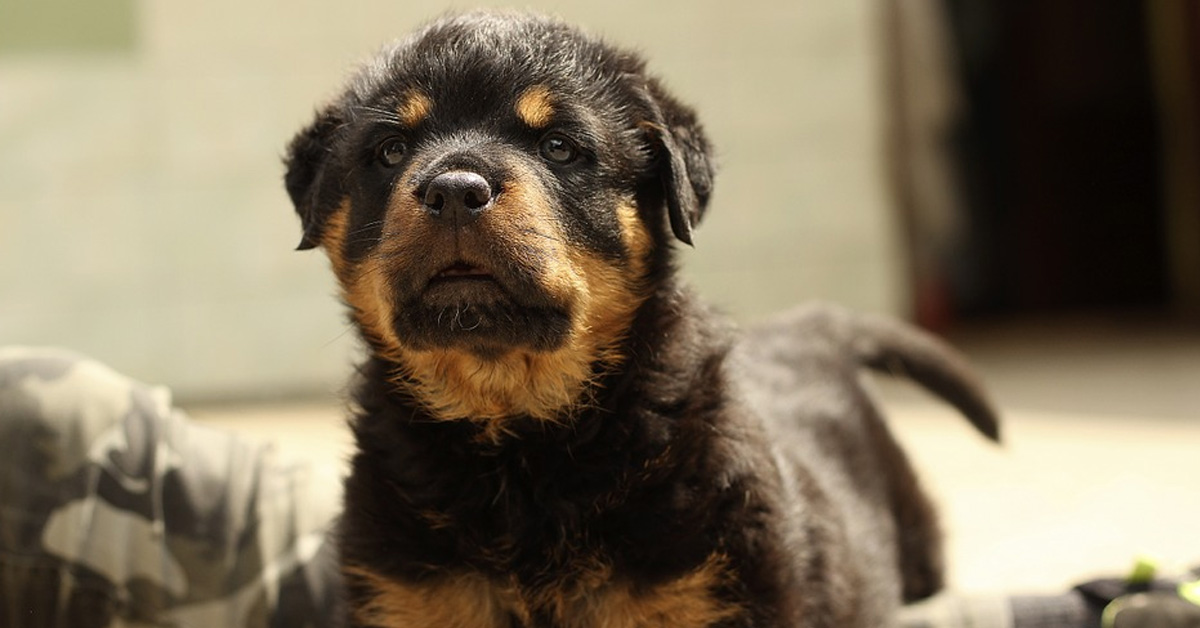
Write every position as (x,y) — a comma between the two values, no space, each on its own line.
(882,344)
(888,346)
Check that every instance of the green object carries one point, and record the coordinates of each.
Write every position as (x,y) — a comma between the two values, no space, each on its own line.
(1144,570)
(1157,609)
(1109,617)
(1190,591)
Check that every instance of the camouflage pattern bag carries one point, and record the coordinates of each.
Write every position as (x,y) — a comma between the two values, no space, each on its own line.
(116,510)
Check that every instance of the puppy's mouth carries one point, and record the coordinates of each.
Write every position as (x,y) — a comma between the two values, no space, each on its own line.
(462,283)
(482,307)
(462,271)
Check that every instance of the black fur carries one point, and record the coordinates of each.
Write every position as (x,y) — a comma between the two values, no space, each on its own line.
(761,447)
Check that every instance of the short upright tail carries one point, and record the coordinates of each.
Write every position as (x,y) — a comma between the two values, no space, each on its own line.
(892,347)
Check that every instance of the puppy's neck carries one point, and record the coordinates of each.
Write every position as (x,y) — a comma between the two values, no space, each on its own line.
(548,386)
(454,384)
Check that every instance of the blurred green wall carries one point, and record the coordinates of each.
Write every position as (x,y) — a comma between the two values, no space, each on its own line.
(142,218)
(73,26)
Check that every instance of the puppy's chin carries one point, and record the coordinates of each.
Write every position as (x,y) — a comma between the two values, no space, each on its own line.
(481,317)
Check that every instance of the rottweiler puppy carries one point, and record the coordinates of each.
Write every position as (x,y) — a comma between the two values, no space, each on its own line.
(550,429)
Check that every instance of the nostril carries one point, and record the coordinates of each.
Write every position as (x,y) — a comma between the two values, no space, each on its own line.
(435,200)
(475,199)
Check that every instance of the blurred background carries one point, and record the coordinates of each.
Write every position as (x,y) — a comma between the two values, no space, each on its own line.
(1023,177)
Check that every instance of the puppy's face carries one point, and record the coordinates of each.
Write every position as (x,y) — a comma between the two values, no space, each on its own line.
(493,193)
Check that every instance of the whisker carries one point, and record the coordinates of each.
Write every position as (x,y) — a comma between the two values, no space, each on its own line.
(376,114)
(532,231)
(366,227)
(347,328)
(349,173)
(478,322)
(373,240)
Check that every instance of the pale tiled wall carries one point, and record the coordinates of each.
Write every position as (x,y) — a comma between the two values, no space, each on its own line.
(142,219)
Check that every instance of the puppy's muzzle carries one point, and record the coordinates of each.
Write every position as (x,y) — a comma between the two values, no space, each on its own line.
(457,197)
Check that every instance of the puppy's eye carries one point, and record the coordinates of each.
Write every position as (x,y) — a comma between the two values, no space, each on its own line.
(559,149)
(391,152)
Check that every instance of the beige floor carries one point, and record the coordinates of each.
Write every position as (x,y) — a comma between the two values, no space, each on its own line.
(1101,460)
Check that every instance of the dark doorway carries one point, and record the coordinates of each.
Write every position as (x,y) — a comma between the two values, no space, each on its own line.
(1060,159)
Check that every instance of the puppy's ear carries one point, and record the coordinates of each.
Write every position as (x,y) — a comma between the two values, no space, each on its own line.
(307,160)
(683,159)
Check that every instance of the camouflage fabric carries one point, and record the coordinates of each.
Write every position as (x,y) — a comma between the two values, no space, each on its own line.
(116,511)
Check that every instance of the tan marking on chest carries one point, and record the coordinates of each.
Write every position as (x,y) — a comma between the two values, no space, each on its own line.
(535,106)
(595,601)
(689,601)
(468,601)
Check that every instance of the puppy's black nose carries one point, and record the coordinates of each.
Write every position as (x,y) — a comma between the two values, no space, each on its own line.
(457,196)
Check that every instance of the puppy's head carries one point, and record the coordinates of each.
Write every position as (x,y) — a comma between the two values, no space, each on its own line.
(497,194)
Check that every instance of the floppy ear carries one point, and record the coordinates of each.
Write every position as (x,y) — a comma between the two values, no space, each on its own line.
(684,160)
(307,160)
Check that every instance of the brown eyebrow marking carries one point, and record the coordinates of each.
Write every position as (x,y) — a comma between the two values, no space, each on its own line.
(415,108)
(535,106)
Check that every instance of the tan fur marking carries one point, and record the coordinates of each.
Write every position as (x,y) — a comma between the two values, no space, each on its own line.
(364,291)
(334,235)
(467,601)
(635,236)
(416,107)
(535,106)
(593,599)
(361,284)
(686,602)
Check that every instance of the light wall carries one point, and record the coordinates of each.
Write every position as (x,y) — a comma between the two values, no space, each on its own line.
(143,221)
